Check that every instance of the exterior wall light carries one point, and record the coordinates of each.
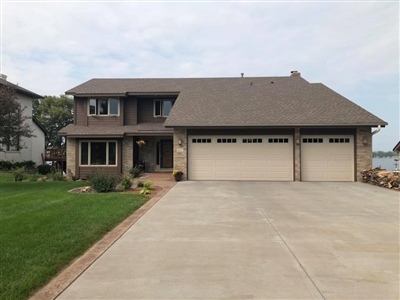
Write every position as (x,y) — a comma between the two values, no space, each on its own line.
(180,142)
(364,140)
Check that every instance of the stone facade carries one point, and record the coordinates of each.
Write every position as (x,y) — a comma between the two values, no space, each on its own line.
(127,154)
(71,158)
(180,151)
(363,151)
(297,155)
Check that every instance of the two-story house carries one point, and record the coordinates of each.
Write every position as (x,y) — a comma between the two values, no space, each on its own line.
(29,148)
(244,128)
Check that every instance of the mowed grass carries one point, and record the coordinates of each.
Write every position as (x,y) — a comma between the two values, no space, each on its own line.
(43,228)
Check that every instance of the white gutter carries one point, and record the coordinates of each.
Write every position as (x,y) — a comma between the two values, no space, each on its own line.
(376,130)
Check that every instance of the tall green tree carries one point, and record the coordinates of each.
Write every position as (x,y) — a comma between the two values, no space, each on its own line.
(12,119)
(54,113)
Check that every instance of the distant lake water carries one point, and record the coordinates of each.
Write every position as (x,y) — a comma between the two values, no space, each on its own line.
(384,162)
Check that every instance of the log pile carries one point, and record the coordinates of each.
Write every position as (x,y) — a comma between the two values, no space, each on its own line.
(382,178)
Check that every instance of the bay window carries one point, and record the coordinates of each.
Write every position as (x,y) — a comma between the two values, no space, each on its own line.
(98,153)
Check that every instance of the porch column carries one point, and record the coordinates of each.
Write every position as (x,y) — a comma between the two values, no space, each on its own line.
(180,151)
(71,158)
(297,155)
(363,152)
(127,153)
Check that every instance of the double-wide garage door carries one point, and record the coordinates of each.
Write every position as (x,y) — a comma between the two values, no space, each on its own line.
(240,158)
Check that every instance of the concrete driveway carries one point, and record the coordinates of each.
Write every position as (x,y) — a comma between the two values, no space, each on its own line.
(255,240)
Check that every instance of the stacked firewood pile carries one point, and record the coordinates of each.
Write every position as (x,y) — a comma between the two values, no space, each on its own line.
(382,178)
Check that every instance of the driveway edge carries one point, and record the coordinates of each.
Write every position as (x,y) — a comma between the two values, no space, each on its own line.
(68,275)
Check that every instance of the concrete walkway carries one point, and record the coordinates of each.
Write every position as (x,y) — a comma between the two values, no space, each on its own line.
(249,240)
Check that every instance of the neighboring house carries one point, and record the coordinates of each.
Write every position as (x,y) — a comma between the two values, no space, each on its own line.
(30,148)
(397,148)
(244,128)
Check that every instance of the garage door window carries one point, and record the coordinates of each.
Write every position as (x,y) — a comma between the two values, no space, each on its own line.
(278,140)
(339,140)
(201,141)
(252,141)
(313,141)
(226,141)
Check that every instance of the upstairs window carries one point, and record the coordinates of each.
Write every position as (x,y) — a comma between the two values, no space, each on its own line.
(104,106)
(162,108)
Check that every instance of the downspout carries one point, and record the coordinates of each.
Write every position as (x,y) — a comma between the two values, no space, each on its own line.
(376,130)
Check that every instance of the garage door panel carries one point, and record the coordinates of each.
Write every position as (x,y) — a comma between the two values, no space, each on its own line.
(227,175)
(254,159)
(253,175)
(327,158)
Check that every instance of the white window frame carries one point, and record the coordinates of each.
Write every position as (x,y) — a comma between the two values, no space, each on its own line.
(161,115)
(97,114)
(107,152)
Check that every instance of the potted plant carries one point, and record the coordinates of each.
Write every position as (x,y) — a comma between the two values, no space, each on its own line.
(177,174)
(141,143)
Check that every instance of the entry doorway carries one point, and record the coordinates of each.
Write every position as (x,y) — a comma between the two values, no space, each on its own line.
(166,154)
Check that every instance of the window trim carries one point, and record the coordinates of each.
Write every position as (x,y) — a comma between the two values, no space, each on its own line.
(161,115)
(107,153)
(97,114)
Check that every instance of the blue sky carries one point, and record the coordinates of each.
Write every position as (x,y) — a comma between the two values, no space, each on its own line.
(352,47)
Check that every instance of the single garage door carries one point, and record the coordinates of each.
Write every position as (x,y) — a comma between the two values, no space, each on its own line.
(327,158)
(244,157)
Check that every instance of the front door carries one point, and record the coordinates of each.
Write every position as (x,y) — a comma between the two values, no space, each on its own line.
(166,153)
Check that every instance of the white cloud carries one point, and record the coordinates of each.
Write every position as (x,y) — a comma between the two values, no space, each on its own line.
(51,47)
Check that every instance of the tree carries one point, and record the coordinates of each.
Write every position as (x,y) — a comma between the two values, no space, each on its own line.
(13,124)
(54,113)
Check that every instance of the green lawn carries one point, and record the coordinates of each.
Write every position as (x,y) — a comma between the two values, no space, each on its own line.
(43,227)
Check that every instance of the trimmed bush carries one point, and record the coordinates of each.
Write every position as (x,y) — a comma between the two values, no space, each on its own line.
(6,165)
(19,174)
(126,183)
(44,169)
(148,185)
(102,182)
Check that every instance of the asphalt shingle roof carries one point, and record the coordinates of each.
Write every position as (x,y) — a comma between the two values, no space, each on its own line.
(20,89)
(242,102)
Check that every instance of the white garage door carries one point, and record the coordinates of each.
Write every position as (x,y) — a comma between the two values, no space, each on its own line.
(240,158)
(327,158)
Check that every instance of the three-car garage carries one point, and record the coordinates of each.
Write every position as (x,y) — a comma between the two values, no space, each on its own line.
(270,157)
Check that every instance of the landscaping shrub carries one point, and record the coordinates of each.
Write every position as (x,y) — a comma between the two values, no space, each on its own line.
(140,184)
(34,177)
(19,174)
(6,165)
(126,183)
(135,171)
(148,185)
(102,182)
(57,176)
(44,169)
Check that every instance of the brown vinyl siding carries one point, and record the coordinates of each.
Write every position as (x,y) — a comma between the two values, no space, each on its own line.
(145,111)
(104,120)
(81,111)
(130,111)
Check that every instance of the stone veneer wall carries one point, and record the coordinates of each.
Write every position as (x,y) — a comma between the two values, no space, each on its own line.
(127,153)
(71,157)
(297,155)
(363,151)
(180,151)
